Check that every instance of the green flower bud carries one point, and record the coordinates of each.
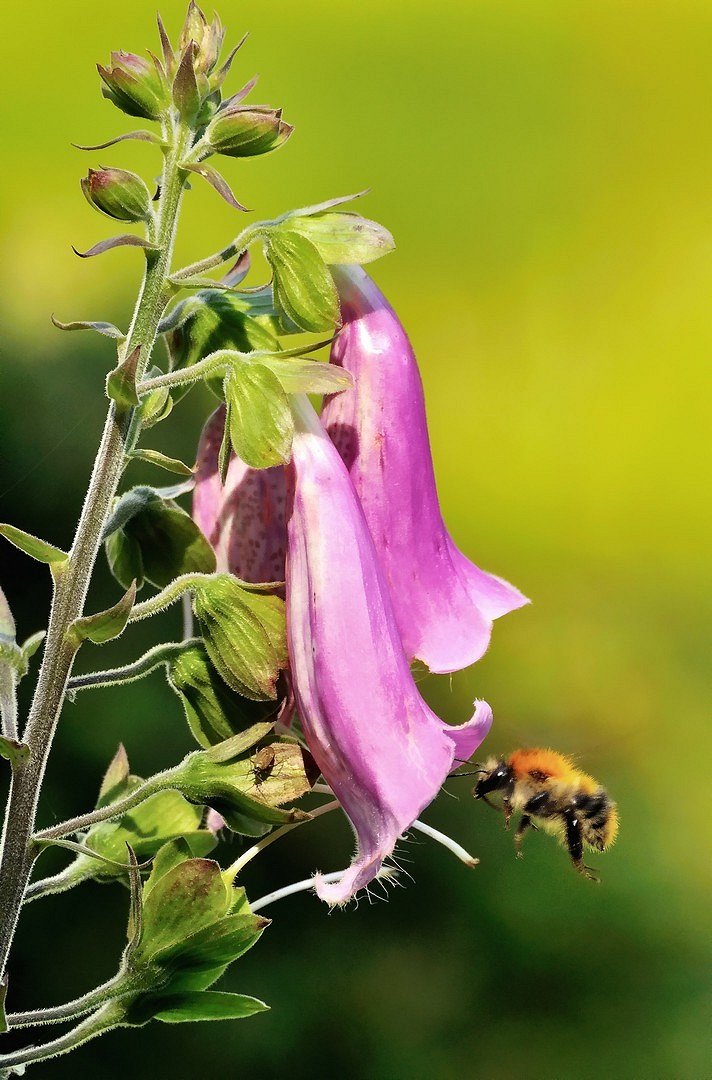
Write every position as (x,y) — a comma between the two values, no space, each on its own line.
(135,86)
(245,635)
(247,131)
(214,712)
(248,791)
(207,38)
(118,194)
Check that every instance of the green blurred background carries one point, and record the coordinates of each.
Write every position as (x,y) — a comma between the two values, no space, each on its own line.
(545,168)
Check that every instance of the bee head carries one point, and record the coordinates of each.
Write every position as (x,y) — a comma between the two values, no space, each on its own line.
(495,777)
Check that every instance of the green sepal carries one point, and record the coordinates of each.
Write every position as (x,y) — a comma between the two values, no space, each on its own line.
(244,633)
(35,548)
(218,182)
(225,451)
(7,622)
(106,329)
(31,645)
(343,238)
(261,422)
(153,539)
(216,320)
(186,95)
(154,457)
(193,1005)
(303,287)
(213,710)
(239,744)
(105,625)
(189,897)
(298,376)
(156,405)
(116,778)
(121,382)
(15,752)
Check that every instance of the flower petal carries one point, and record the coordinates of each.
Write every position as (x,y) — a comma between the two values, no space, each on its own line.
(383,751)
(245,521)
(443,602)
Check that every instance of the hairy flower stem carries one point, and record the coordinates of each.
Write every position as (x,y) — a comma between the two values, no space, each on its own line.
(73,582)
(160,782)
(72,1010)
(107,1018)
(145,665)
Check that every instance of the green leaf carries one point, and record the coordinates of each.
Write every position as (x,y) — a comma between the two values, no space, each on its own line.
(303,286)
(343,238)
(220,320)
(221,944)
(35,548)
(218,182)
(320,208)
(105,625)
(123,553)
(121,382)
(252,789)
(154,457)
(309,376)
(261,422)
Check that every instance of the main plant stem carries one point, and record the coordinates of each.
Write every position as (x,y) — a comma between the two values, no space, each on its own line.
(73,582)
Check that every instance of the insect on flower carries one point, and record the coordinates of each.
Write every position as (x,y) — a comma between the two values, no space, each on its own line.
(550,792)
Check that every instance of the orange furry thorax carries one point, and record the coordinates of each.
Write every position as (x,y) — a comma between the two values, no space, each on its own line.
(541,765)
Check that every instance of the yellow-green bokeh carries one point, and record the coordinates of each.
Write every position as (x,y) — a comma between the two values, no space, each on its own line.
(545,169)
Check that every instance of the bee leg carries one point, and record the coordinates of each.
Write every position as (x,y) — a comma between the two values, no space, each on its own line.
(574,843)
(523,827)
(507,807)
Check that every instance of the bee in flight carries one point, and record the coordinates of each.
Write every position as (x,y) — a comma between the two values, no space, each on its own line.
(550,793)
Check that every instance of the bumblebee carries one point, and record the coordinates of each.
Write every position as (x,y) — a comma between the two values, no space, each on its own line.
(550,793)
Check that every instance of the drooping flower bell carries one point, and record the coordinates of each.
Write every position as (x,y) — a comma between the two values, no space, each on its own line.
(244,520)
(382,750)
(444,604)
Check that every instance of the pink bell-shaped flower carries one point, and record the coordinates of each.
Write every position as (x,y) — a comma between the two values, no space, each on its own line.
(244,520)
(381,749)
(444,604)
